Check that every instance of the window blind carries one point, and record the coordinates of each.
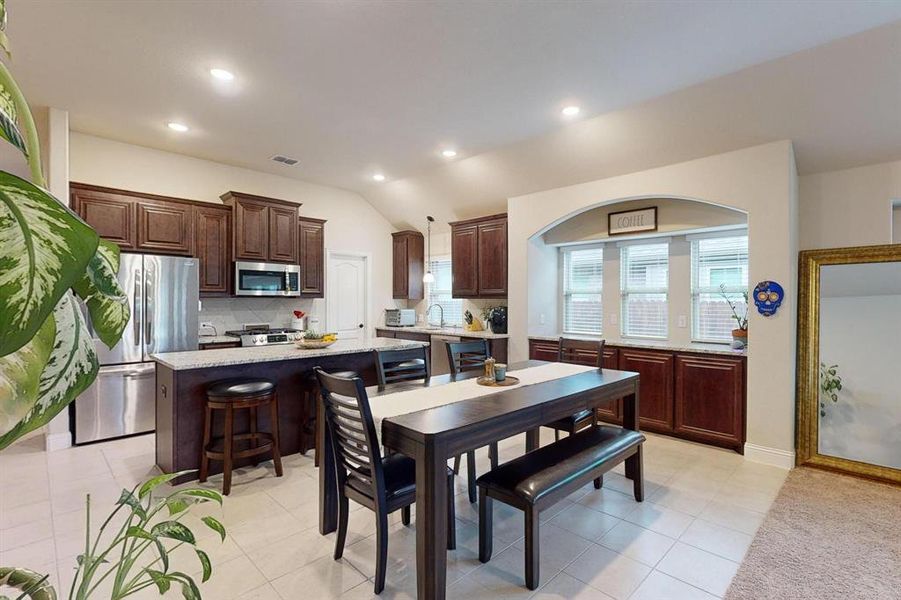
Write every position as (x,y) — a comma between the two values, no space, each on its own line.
(439,292)
(644,283)
(583,275)
(716,262)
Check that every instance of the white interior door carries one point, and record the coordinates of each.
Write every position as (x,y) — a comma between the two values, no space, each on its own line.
(346,296)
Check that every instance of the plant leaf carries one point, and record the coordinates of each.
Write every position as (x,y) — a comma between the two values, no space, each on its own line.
(188,588)
(128,498)
(205,563)
(99,288)
(161,580)
(175,531)
(138,532)
(202,495)
(215,525)
(20,374)
(9,131)
(71,368)
(44,249)
(176,505)
(151,484)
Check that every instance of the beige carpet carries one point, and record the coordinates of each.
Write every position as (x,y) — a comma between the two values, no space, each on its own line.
(826,537)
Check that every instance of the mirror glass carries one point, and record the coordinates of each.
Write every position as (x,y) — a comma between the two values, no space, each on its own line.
(860,363)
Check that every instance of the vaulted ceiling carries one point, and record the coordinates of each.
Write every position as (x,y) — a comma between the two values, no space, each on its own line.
(354,88)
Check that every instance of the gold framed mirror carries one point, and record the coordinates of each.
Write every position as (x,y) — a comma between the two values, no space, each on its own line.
(849,361)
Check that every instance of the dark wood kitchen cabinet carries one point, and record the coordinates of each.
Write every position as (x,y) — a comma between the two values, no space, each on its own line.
(408,259)
(212,241)
(311,233)
(479,257)
(110,212)
(265,229)
(710,392)
(165,226)
(655,408)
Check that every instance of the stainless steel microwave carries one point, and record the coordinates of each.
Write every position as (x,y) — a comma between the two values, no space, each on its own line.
(266,279)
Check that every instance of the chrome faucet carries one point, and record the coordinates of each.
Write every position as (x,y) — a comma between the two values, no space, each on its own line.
(440,308)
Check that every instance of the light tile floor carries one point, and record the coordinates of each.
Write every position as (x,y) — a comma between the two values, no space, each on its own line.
(686,540)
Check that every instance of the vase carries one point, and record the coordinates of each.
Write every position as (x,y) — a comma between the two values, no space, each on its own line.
(739,338)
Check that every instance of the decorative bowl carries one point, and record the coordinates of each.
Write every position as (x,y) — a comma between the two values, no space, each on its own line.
(313,344)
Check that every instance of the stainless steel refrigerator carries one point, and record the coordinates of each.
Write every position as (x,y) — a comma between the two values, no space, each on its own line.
(163,296)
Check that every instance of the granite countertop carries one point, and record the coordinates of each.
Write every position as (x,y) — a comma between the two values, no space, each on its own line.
(699,347)
(202,359)
(216,339)
(457,331)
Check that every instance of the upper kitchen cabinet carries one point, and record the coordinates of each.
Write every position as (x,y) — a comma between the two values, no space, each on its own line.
(312,257)
(265,229)
(409,260)
(212,235)
(479,257)
(136,221)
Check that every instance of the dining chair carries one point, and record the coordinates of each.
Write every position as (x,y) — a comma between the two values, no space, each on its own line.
(462,357)
(578,352)
(381,484)
(393,366)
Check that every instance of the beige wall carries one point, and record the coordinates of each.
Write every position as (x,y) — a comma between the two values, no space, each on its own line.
(759,180)
(353,224)
(673,215)
(852,207)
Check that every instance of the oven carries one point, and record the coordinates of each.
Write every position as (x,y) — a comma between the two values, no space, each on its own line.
(266,279)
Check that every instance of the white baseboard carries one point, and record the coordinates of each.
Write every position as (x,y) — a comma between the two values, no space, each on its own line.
(783,459)
(58,441)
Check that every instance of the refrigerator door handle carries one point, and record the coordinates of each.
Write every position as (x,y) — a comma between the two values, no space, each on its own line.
(149,291)
(136,308)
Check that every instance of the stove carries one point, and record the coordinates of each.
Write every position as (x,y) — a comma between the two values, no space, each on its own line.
(264,335)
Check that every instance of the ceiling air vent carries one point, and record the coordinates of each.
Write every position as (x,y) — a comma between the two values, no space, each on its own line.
(285,160)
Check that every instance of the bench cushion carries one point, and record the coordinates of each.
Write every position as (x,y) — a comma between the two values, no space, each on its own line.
(561,464)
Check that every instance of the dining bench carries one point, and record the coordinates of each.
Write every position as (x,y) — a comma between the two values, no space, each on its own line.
(540,478)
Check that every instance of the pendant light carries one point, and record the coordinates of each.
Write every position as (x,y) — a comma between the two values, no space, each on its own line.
(429,277)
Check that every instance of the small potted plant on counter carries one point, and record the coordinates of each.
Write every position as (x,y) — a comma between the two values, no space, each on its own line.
(740,334)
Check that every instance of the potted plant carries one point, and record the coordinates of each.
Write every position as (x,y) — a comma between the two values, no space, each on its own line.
(49,259)
(740,333)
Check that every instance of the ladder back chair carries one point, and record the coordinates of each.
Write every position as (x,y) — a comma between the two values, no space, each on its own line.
(578,352)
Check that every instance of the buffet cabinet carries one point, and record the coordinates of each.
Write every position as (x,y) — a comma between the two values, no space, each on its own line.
(695,396)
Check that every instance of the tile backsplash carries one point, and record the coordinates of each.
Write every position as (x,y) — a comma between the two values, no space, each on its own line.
(232,313)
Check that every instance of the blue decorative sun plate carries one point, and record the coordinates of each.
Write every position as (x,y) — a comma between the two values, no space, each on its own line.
(768,296)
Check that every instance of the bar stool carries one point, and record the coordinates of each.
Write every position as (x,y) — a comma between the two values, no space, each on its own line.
(232,395)
(309,438)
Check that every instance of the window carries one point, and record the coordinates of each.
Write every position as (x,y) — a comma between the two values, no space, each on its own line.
(644,274)
(583,270)
(439,292)
(718,265)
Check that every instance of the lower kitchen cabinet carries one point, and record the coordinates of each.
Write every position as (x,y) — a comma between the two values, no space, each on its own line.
(655,406)
(700,381)
(699,397)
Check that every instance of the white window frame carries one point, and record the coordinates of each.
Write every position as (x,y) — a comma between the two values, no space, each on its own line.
(563,284)
(625,293)
(696,291)
(430,289)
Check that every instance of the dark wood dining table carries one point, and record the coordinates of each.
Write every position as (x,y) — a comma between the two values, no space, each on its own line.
(435,435)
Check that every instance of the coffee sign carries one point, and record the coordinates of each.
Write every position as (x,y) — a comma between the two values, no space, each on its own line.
(632,221)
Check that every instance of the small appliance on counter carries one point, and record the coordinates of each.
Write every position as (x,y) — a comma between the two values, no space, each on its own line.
(299,320)
(400,317)
(261,334)
(497,319)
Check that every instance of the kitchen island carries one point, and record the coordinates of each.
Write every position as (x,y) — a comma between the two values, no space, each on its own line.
(182,378)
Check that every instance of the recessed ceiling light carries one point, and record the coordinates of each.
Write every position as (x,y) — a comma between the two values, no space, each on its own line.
(378,177)
(570,111)
(222,74)
(449,153)
(178,127)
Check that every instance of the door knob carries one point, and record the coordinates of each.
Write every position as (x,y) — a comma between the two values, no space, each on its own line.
(360,326)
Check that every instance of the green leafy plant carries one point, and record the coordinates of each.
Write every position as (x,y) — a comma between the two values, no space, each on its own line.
(48,257)
(830,386)
(741,317)
(150,525)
